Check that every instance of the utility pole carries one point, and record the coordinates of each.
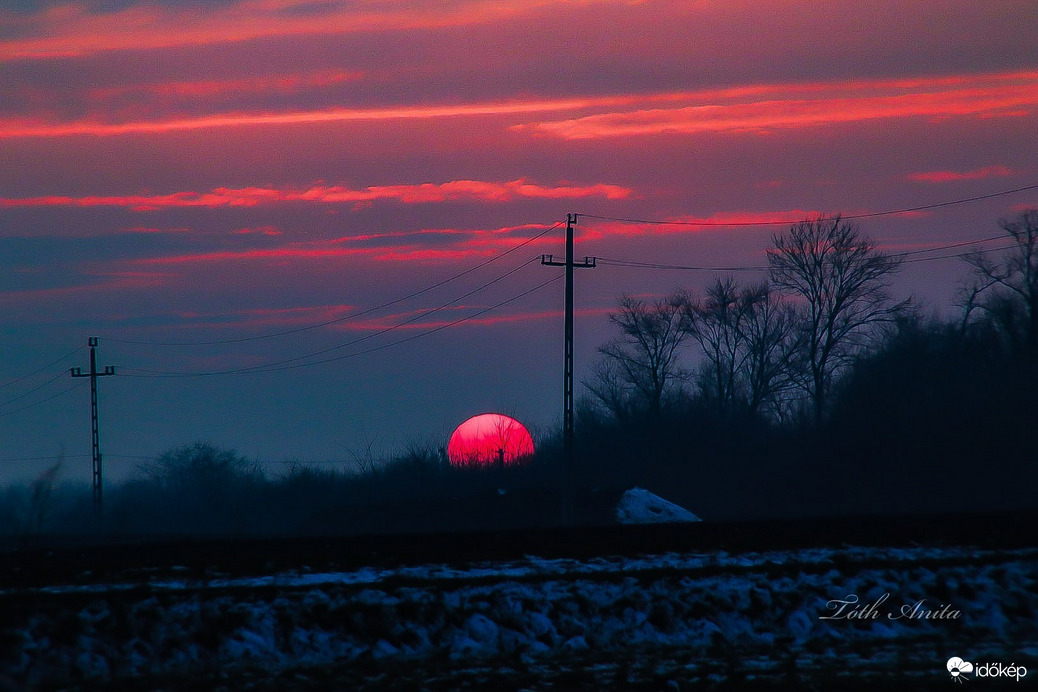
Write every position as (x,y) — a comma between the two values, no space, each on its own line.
(567,385)
(94,436)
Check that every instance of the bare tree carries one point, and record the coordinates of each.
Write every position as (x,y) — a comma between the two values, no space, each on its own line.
(745,335)
(641,366)
(716,324)
(770,340)
(1005,289)
(841,280)
(609,390)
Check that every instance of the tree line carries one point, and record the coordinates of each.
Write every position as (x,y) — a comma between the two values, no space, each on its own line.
(816,391)
(778,349)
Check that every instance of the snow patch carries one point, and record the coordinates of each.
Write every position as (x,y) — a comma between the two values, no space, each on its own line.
(639,506)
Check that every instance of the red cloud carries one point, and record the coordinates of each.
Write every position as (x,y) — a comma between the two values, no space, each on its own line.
(16,128)
(72,29)
(285,83)
(269,317)
(952,176)
(596,229)
(259,230)
(804,105)
(754,109)
(103,281)
(281,253)
(423,193)
(466,244)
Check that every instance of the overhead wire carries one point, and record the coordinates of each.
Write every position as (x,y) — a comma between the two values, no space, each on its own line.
(283,365)
(657,265)
(433,330)
(958,254)
(34,389)
(43,401)
(953,245)
(45,367)
(783,222)
(351,316)
(634,264)
(414,318)
(38,387)
(56,457)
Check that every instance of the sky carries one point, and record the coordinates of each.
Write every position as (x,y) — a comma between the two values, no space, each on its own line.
(310,230)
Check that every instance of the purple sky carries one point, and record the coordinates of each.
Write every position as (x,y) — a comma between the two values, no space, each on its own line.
(199,172)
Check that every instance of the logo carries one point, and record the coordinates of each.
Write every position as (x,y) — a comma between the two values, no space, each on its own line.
(959,668)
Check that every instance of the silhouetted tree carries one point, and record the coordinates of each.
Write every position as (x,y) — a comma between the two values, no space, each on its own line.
(746,337)
(770,340)
(841,280)
(609,390)
(198,468)
(641,367)
(196,487)
(716,324)
(1005,289)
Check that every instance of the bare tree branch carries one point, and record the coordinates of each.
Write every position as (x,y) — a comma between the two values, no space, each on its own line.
(842,280)
(641,366)
(1005,289)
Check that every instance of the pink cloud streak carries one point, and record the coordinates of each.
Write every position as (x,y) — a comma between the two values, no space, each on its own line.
(268,317)
(953,176)
(72,30)
(752,108)
(987,97)
(468,244)
(262,84)
(423,193)
(598,229)
(19,128)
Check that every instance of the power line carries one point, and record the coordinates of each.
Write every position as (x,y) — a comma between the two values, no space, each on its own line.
(656,265)
(953,245)
(57,457)
(351,316)
(429,331)
(278,367)
(34,389)
(421,315)
(633,264)
(43,401)
(784,222)
(45,367)
(958,254)
(394,327)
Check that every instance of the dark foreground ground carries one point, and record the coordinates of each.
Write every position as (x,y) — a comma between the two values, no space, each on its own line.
(83,559)
(703,606)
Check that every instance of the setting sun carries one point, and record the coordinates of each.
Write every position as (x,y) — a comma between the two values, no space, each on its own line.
(489,438)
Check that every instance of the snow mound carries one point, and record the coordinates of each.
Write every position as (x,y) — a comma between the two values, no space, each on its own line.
(639,506)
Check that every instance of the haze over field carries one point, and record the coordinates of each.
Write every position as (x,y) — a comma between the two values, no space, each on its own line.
(207,174)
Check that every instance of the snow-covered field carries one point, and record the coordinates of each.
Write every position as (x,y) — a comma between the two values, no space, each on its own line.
(650,621)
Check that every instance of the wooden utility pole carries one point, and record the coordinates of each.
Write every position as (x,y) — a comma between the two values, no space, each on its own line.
(95,437)
(567,385)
